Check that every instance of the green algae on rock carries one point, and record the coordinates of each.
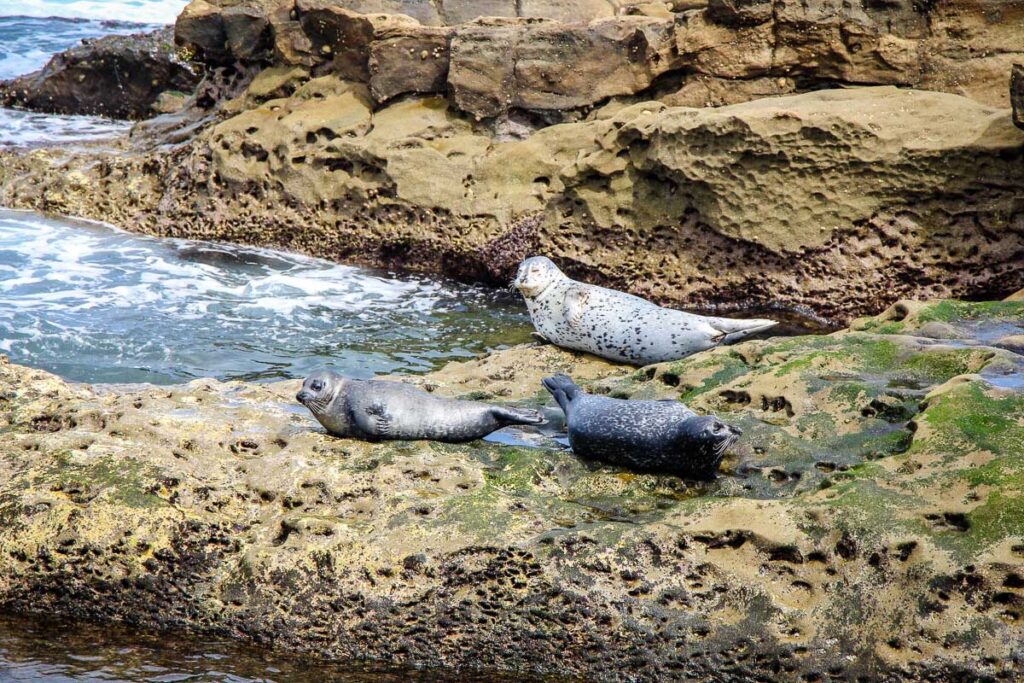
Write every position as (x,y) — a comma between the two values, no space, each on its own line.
(869,522)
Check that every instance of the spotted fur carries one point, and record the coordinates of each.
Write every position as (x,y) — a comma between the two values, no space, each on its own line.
(650,436)
(615,325)
(375,410)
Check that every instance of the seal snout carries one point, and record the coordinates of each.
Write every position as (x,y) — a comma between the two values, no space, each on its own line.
(303,397)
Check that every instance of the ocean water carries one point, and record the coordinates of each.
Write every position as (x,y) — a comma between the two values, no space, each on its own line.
(28,42)
(96,304)
(36,650)
(148,11)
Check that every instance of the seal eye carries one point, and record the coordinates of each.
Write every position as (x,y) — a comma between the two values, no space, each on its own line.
(316,386)
(717,427)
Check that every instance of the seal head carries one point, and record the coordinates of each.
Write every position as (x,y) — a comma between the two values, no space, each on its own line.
(318,390)
(705,438)
(535,275)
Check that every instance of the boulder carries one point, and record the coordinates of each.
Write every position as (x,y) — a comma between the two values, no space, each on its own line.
(343,37)
(248,33)
(199,29)
(501,65)
(116,76)
(409,59)
(876,469)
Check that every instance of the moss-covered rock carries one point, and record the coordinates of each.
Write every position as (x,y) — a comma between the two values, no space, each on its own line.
(868,523)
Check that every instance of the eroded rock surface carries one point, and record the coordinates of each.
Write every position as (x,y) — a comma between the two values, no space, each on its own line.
(868,524)
(837,201)
(492,56)
(116,76)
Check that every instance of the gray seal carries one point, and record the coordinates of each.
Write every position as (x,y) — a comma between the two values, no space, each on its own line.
(375,410)
(651,436)
(615,325)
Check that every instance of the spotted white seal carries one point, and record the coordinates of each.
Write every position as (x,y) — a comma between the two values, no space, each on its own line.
(651,436)
(375,410)
(616,325)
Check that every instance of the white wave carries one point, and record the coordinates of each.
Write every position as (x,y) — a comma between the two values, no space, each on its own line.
(23,129)
(148,11)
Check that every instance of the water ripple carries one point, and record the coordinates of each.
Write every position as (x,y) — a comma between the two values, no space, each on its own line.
(97,304)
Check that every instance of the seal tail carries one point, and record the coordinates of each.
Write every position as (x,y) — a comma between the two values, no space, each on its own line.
(563,389)
(517,416)
(731,330)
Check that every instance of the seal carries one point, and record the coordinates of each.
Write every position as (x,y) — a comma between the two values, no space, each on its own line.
(376,410)
(615,325)
(650,436)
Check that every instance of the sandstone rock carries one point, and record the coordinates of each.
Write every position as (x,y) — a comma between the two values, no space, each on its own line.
(409,60)
(1017,94)
(876,469)
(248,33)
(497,66)
(117,76)
(708,91)
(343,37)
(200,29)
(739,12)
(952,47)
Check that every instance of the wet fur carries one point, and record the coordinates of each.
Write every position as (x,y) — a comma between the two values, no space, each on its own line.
(375,410)
(648,436)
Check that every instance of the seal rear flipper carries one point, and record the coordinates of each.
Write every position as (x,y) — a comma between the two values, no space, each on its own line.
(517,416)
(563,389)
(730,330)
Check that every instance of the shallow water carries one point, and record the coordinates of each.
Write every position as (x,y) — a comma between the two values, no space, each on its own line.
(96,304)
(57,652)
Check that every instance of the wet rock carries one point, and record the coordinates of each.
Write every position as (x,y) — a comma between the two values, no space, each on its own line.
(877,469)
(116,76)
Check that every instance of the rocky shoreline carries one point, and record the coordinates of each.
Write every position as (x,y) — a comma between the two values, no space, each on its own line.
(868,526)
(396,140)
(840,161)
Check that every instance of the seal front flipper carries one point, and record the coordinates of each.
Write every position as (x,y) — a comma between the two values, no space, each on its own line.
(575,303)
(375,420)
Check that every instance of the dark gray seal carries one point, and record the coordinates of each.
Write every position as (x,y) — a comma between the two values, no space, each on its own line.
(615,325)
(653,436)
(375,410)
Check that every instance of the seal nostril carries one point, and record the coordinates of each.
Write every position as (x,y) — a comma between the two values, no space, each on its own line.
(301,396)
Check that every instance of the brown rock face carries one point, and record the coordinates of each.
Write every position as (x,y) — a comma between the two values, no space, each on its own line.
(409,59)
(546,56)
(344,37)
(524,64)
(117,76)
(1017,94)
